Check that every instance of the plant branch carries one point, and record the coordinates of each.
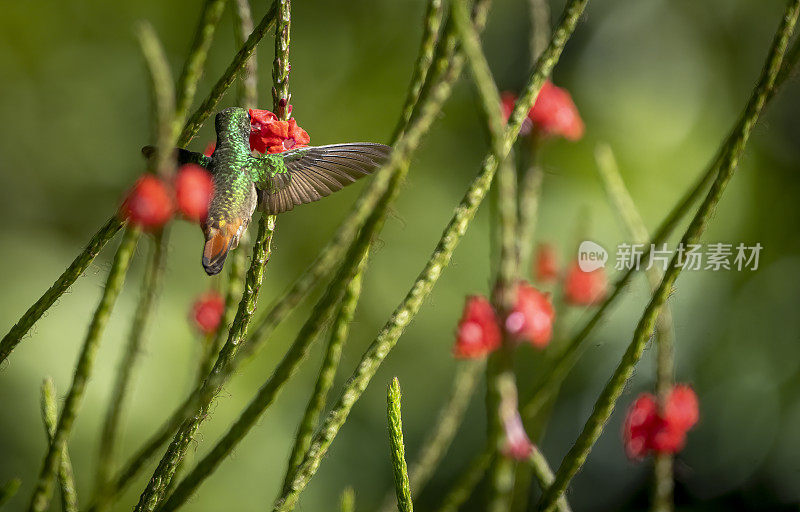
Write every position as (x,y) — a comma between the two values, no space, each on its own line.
(248,82)
(605,403)
(397,450)
(544,476)
(149,291)
(69,496)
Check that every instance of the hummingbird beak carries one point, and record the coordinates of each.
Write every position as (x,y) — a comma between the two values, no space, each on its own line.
(219,241)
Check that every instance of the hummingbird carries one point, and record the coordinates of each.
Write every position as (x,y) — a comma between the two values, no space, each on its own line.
(274,183)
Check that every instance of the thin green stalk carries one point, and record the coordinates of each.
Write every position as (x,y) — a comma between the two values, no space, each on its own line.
(544,476)
(62,284)
(8,490)
(430,35)
(636,229)
(422,287)
(353,265)
(163,103)
(154,492)
(440,437)
(149,290)
(205,109)
(69,496)
(193,66)
(347,503)
(83,370)
(539,11)
(530,188)
(499,371)
(733,151)
(280,66)
(326,376)
(397,449)
(248,82)
(464,485)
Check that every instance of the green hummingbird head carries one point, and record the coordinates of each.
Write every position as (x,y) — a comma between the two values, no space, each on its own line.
(233,120)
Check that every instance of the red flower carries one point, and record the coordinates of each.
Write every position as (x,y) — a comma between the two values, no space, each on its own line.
(648,429)
(532,317)
(517,444)
(193,189)
(554,113)
(270,135)
(210,148)
(640,422)
(478,330)
(207,312)
(545,266)
(681,408)
(585,288)
(149,203)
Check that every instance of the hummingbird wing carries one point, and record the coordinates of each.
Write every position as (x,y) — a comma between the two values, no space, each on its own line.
(183,156)
(308,174)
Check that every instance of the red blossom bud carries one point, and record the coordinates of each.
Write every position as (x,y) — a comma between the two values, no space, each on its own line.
(207,312)
(210,147)
(149,203)
(585,288)
(532,317)
(681,408)
(545,265)
(194,187)
(478,331)
(555,114)
(640,422)
(517,444)
(268,134)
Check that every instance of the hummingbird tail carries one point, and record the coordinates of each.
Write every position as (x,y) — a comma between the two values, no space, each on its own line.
(219,241)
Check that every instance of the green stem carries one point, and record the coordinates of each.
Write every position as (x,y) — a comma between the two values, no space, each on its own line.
(440,437)
(193,66)
(347,502)
(397,449)
(281,66)
(83,369)
(69,497)
(205,109)
(248,90)
(62,284)
(540,26)
(327,374)
(530,189)
(469,478)
(151,284)
(8,490)
(163,103)
(607,400)
(544,476)
(637,231)
(430,35)
(154,492)
(441,256)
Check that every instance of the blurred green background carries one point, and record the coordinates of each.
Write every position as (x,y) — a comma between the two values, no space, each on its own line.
(660,81)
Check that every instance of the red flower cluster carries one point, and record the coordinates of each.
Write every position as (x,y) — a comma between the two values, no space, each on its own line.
(268,134)
(479,330)
(532,317)
(585,288)
(553,114)
(152,202)
(207,310)
(648,429)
